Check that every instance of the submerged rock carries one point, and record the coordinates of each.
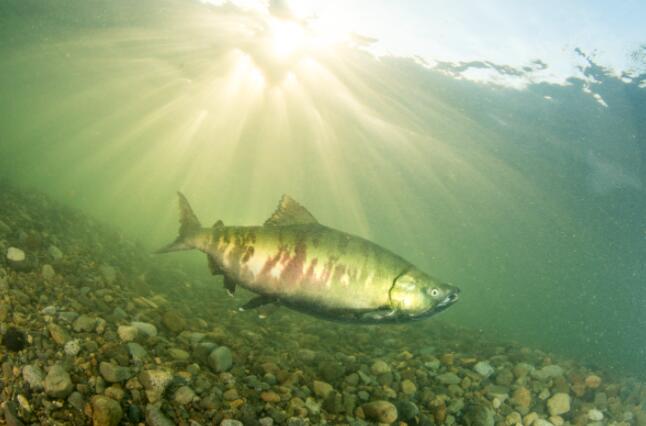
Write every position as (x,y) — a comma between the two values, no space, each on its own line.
(220,359)
(558,404)
(58,383)
(379,411)
(105,411)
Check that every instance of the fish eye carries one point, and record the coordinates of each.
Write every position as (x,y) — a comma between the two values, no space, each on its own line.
(434,292)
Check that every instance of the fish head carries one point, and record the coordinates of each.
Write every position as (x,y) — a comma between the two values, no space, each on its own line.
(417,295)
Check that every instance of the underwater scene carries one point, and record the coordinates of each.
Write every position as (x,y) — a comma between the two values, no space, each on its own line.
(273,212)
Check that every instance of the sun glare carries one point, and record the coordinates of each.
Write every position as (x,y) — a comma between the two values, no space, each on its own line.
(288,38)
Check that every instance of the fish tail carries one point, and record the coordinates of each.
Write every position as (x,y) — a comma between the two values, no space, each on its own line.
(189,227)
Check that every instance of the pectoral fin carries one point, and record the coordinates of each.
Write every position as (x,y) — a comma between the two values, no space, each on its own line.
(229,285)
(257,302)
(213,266)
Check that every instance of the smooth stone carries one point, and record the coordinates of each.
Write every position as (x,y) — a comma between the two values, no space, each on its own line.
(220,359)
(155,417)
(184,395)
(33,375)
(558,404)
(137,352)
(522,398)
(76,400)
(478,415)
(15,254)
(483,368)
(48,272)
(109,273)
(407,410)
(269,396)
(322,389)
(408,387)
(178,354)
(595,415)
(127,333)
(58,383)
(542,422)
(231,422)
(105,411)
(55,252)
(380,411)
(449,379)
(114,373)
(145,328)
(174,321)
(379,367)
(58,333)
(549,372)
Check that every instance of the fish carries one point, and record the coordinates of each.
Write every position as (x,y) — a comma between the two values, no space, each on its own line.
(294,261)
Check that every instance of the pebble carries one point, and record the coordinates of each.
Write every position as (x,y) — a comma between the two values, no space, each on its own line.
(127,333)
(105,411)
(595,415)
(558,404)
(483,368)
(178,354)
(322,389)
(522,398)
(231,422)
(593,381)
(379,367)
(33,375)
(408,387)
(84,323)
(269,396)
(449,379)
(380,411)
(146,328)
(541,422)
(137,352)
(58,333)
(15,255)
(220,359)
(549,372)
(184,395)
(58,383)
(174,321)
(155,417)
(48,272)
(114,373)
(55,252)
(72,347)
(155,382)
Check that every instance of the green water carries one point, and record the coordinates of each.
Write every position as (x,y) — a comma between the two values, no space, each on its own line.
(533,206)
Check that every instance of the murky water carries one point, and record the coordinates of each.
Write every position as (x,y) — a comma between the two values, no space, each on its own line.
(530,200)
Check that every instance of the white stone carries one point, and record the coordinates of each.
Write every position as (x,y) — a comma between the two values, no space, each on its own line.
(484,369)
(558,404)
(595,415)
(15,254)
(73,347)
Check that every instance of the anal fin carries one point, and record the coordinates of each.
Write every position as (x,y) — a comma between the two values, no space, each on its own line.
(257,302)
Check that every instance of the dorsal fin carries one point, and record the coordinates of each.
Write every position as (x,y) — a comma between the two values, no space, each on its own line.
(289,212)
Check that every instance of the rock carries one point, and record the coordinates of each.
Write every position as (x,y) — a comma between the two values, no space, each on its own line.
(408,387)
(33,375)
(109,273)
(178,354)
(145,328)
(522,398)
(55,252)
(549,372)
(58,333)
(72,347)
(48,272)
(114,373)
(155,382)
(231,394)
(269,396)
(380,411)
(322,389)
(595,415)
(58,383)
(220,359)
(593,381)
(484,369)
(266,421)
(231,422)
(15,255)
(105,411)
(379,367)
(184,395)
(84,323)
(127,333)
(155,417)
(407,410)
(449,379)
(76,400)
(10,414)
(558,404)
(504,377)
(478,415)
(174,321)
(137,352)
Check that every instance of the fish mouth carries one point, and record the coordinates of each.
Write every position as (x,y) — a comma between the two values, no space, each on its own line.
(450,299)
